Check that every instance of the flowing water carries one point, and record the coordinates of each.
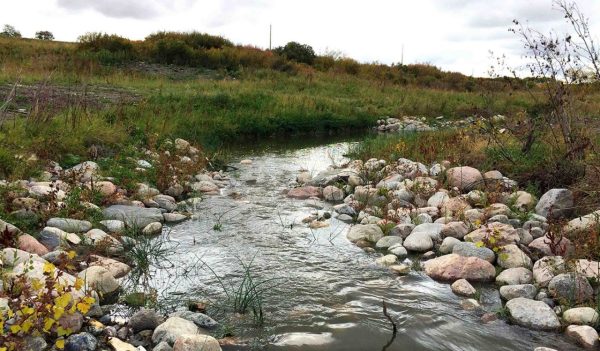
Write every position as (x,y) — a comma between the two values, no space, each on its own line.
(328,293)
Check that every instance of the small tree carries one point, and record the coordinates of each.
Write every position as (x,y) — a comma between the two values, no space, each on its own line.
(297,52)
(44,35)
(10,32)
(563,69)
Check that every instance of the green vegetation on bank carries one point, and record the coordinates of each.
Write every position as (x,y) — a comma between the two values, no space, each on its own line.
(108,93)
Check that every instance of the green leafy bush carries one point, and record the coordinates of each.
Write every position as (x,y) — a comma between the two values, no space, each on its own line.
(294,51)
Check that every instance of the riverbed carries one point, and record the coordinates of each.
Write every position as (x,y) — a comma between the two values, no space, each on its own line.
(326,293)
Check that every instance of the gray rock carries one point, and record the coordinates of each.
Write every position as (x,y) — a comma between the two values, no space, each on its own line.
(368,232)
(174,217)
(468,249)
(332,193)
(514,276)
(153,228)
(345,218)
(388,241)
(162,346)
(448,245)
(402,230)
(418,242)
(433,230)
(509,292)
(499,218)
(571,288)
(581,316)
(585,335)
(81,342)
(345,209)
(490,299)
(547,268)
(166,202)
(200,319)
(555,203)
(456,230)
(532,314)
(173,328)
(398,250)
(69,225)
(145,319)
(113,225)
(510,256)
(463,288)
(133,216)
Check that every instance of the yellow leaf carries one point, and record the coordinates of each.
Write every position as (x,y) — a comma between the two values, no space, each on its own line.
(49,267)
(71,254)
(78,284)
(58,312)
(83,307)
(36,284)
(60,331)
(60,344)
(15,329)
(89,300)
(63,300)
(48,323)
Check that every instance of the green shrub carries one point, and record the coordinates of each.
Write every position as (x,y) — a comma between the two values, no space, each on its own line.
(173,52)
(294,51)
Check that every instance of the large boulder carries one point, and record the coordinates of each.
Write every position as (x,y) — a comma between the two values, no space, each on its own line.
(583,224)
(333,193)
(571,288)
(464,178)
(145,319)
(547,268)
(555,203)
(117,269)
(453,267)
(510,256)
(69,225)
(509,292)
(418,242)
(133,216)
(456,230)
(368,232)
(503,234)
(30,244)
(532,314)
(584,335)
(99,279)
(388,241)
(544,246)
(514,276)
(172,329)
(581,316)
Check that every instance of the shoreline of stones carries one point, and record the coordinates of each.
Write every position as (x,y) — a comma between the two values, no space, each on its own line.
(145,210)
(470,228)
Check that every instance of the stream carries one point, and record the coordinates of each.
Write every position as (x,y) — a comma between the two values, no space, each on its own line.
(326,293)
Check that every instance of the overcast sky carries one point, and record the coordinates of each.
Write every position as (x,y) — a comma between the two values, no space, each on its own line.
(455,35)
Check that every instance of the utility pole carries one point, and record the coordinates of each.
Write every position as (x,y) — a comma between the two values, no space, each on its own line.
(402,57)
(270,35)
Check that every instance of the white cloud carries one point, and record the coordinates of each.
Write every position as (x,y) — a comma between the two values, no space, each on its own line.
(453,34)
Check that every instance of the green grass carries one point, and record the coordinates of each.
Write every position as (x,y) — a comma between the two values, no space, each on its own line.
(128,107)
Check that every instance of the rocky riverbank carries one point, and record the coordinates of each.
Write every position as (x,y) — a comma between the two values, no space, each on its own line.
(59,283)
(472,230)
